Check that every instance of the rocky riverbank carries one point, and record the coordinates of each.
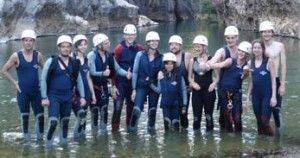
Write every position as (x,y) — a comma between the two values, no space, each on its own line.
(247,14)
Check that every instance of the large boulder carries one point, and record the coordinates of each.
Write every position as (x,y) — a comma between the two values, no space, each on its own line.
(247,14)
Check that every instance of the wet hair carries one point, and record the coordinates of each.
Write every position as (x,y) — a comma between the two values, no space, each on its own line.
(175,73)
(173,62)
(148,47)
(59,45)
(78,43)
(263,31)
(262,44)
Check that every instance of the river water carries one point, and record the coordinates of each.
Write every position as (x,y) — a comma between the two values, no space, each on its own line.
(184,144)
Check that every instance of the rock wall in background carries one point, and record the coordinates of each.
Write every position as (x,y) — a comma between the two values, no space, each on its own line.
(247,14)
(52,17)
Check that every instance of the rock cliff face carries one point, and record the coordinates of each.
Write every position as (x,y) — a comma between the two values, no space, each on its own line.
(247,14)
(51,17)
(168,10)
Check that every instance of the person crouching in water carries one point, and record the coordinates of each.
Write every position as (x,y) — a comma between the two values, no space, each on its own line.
(58,81)
(204,95)
(262,88)
(231,89)
(80,45)
(172,87)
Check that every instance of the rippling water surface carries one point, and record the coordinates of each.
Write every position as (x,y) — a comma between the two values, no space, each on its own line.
(185,144)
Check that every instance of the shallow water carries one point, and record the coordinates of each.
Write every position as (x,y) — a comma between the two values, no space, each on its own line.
(184,144)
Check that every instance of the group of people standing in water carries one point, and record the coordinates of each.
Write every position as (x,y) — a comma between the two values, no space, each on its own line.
(74,80)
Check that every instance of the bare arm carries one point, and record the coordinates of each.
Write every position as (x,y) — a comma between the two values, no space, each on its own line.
(283,70)
(41,60)
(222,64)
(190,72)
(271,68)
(12,61)
(217,57)
(216,79)
(187,59)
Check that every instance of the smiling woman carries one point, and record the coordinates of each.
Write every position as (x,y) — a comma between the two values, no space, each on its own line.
(185,144)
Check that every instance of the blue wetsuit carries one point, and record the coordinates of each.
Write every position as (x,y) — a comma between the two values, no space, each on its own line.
(125,57)
(231,93)
(261,95)
(221,116)
(57,85)
(144,73)
(173,95)
(97,67)
(81,111)
(28,80)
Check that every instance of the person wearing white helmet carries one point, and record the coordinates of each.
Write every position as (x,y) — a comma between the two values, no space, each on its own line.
(80,43)
(276,51)
(203,84)
(262,87)
(230,50)
(146,66)
(183,58)
(172,88)
(231,86)
(59,78)
(124,54)
(27,62)
(102,67)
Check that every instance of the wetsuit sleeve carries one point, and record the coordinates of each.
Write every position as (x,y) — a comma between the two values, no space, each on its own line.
(80,86)
(135,69)
(117,52)
(156,89)
(183,92)
(119,70)
(117,56)
(91,59)
(140,47)
(44,78)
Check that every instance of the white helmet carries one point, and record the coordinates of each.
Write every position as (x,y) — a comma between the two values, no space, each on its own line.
(129,29)
(200,39)
(64,38)
(231,31)
(78,38)
(169,57)
(245,47)
(175,39)
(28,33)
(99,38)
(266,25)
(152,35)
